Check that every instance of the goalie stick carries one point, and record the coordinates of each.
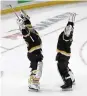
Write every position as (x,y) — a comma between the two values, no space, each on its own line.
(13,10)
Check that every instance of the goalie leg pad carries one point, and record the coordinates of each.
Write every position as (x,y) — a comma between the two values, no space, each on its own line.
(39,69)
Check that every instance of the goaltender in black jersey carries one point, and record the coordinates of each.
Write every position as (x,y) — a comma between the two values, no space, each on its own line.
(64,53)
(34,46)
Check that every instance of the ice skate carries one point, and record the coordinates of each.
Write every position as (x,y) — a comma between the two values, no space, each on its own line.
(34,87)
(67,85)
(34,84)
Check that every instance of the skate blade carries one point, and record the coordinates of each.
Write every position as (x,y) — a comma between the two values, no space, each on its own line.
(33,90)
(67,89)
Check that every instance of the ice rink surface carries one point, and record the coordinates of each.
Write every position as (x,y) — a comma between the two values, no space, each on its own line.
(14,62)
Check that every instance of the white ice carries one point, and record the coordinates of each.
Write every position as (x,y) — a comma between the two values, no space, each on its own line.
(15,65)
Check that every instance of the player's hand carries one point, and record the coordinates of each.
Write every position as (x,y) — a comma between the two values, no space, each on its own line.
(20,23)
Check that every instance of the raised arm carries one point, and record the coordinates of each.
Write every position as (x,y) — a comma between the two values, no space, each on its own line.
(70,25)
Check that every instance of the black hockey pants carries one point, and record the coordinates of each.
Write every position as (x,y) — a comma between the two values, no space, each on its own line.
(62,66)
(34,58)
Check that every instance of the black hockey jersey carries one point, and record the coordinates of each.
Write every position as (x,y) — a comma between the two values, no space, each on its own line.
(32,38)
(64,44)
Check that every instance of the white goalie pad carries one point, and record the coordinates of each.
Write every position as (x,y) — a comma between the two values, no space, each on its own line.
(39,69)
(71,75)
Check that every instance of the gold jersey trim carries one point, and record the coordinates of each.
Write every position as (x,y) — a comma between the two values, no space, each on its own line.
(63,52)
(34,48)
(28,25)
